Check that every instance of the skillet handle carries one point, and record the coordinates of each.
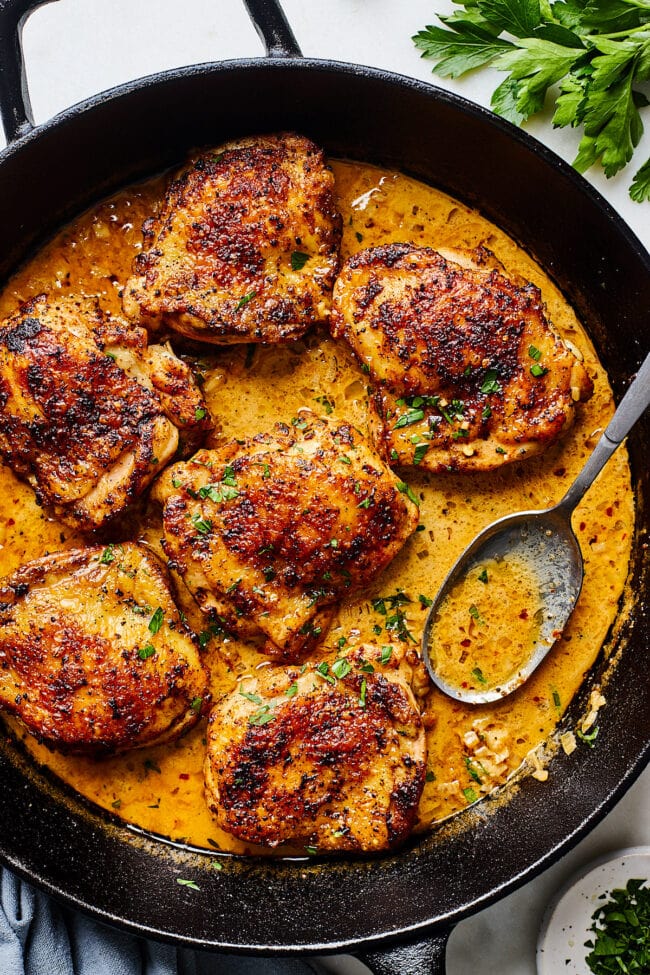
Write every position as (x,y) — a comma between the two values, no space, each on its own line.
(425,957)
(273,27)
(15,106)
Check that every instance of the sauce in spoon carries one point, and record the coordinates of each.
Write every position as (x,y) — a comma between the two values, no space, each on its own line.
(539,559)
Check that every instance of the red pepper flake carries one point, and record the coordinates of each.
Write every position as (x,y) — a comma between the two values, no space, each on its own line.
(10,522)
(184,776)
(609,511)
(523,615)
(583,525)
(466,643)
(560,471)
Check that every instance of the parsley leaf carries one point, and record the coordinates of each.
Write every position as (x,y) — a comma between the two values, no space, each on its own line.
(591,54)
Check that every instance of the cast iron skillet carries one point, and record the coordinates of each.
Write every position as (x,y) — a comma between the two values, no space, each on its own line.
(396,911)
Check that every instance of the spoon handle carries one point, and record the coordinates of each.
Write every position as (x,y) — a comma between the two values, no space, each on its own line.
(630,409)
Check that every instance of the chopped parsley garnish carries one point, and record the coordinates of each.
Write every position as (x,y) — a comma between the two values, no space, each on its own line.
(202,525)
(261,717)
(396,620)
(365,503)
(478,673)
(556,698)
(365,368)
(386,654)
(407,419)
(214,629)
(589,737)
(358,235)
(312,850)
(420,452)
(403,488)
(327,405)
(430,776)
(244,301)
(470,794)
(341,668)
(299,423)
(292,690)
(196,705)
(366,667)
(342,640)
(621,926)
(425,601)
(200,413)
(486,413)
(147,651)
(473,774)
(537,370)
(156,621)
(253,698)
(108,555)
(191,884)
(483,576)
(298,260)
(397,599)
(362,693)
(323,670)
(490,384)
(534,353)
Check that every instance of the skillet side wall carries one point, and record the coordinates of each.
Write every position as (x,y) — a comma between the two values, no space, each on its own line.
(92,150)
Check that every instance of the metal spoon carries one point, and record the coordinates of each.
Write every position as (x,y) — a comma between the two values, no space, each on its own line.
(545,541)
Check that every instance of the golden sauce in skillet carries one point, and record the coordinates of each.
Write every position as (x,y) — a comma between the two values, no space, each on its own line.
(471,749)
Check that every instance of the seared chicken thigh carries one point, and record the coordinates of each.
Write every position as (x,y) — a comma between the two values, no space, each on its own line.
(269,533)
(467,372)
(93,654)
(331,756)
(245,246)
(88,412)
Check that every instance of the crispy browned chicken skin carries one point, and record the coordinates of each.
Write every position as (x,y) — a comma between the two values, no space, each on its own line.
(93,654)
(467,372)
(245,246)
(307,757)
(270,532)
(89,412)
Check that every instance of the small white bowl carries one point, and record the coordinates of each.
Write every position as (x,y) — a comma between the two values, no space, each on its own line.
(566,924)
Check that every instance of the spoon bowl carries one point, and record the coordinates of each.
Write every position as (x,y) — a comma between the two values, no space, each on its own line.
(543,544)
(542,540)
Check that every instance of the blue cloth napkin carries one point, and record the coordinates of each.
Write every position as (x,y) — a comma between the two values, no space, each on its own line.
(38,937)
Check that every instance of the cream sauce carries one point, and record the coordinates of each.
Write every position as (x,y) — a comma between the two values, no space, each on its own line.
(471,749)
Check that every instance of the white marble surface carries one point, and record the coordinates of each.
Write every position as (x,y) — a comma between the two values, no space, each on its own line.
(75,48)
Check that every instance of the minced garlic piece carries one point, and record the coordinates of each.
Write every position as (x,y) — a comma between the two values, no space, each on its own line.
(568,742)
(596,701)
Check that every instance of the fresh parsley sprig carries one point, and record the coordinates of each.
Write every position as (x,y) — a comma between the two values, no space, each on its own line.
(596,51)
